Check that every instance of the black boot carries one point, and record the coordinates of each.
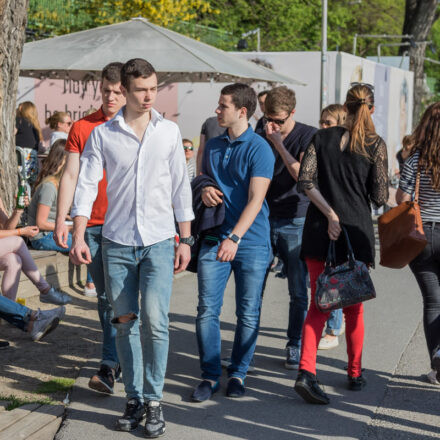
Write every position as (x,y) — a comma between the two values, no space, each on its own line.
(308,388)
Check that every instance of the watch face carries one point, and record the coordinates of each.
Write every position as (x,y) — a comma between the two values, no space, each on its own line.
(187,240)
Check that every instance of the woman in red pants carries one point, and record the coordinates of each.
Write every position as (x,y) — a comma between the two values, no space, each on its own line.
(343,170)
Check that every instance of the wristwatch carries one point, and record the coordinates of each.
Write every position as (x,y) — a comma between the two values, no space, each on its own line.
(187,240)
(235,238)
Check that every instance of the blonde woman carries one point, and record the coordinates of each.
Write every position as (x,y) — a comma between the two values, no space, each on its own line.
(60,123)
(29,137)
(332,116)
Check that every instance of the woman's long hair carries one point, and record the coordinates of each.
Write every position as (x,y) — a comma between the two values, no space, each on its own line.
(53,165)
(28,111)
(427,141)
(359,102)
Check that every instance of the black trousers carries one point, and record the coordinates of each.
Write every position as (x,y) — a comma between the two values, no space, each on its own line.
(426,269)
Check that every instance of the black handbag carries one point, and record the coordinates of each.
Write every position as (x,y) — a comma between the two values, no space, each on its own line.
(344,285)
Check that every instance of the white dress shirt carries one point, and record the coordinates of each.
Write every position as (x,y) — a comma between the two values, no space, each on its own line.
(146,180)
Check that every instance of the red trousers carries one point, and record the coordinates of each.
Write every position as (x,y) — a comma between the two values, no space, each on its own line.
(314,324)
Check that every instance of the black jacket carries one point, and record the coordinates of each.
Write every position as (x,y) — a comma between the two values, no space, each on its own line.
(206,218)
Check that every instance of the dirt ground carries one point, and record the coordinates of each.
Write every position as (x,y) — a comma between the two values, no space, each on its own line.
(26,364)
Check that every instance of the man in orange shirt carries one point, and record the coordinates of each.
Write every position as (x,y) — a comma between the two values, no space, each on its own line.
(112,101)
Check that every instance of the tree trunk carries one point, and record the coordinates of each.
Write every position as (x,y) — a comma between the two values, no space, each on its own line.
(13,16)
(419,18)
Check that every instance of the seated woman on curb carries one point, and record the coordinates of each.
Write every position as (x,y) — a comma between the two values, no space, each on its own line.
(15,256)
(38,323)
(43,207)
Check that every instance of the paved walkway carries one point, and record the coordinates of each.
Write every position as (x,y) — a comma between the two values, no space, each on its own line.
(396,404)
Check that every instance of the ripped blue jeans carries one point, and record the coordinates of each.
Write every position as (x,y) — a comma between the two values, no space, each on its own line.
(129,270)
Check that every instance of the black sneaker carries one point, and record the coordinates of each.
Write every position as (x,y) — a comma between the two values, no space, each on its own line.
(293,355)
(356,383)
(133,415)
(103,381)
(308,388)
(154,423)
(4,344)
(436,364)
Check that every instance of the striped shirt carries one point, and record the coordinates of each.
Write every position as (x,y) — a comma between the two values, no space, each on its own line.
(429,199)
(191,167)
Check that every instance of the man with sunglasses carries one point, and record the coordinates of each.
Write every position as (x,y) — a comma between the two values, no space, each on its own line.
(188,148)
(287,207)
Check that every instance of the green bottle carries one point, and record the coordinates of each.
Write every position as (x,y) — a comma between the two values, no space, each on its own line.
(20,195)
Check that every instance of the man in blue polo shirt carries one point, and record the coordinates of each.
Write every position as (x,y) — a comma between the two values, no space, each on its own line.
(241,163)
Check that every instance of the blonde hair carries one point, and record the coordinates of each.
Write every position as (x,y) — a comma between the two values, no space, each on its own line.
(359,102)
(335,111)
(28,111)
(55,118)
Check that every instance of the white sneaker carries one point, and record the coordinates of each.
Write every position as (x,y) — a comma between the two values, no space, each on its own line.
(90,293)
(328,343)
(431,376)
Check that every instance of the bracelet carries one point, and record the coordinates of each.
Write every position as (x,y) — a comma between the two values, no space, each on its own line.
(19,232)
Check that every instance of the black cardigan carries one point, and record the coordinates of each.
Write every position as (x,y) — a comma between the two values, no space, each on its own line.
(349,183)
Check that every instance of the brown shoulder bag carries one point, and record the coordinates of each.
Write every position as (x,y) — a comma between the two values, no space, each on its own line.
(401,232)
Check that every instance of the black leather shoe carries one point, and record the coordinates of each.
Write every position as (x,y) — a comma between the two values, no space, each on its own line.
(235,388)
(308,388)
(356,383)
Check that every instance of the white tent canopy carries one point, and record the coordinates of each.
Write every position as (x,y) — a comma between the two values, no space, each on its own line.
(176,58)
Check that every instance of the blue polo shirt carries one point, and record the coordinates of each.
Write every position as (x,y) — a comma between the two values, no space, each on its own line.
(232,164)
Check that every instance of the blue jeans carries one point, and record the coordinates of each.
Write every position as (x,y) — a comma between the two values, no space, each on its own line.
(89,277)
(286,236)
(47,243)
(149,269)
(16,314)
(426,269)
(334,323)
(93,237)
(250,266)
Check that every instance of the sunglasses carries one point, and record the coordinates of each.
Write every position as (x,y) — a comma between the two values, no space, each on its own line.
(275,121)
(188,148)
(369,86)
(325,122)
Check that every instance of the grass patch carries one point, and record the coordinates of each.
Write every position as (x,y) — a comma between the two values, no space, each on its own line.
(59,384)
(16,402)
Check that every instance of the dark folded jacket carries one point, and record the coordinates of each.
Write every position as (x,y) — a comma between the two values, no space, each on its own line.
(206,218)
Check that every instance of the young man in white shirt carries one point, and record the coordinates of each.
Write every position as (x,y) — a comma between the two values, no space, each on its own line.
(147,184)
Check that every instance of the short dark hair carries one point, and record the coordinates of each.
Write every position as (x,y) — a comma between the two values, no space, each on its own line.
(187,141)
(264,92)
(112,73)
(242,96)
(135,68)
(280,99)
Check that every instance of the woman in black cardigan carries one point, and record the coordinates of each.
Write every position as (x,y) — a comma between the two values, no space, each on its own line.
(342,172)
